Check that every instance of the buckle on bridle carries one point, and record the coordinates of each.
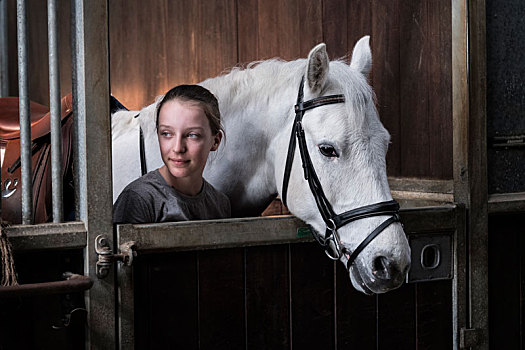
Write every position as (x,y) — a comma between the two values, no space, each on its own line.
(333,248)
(332,244)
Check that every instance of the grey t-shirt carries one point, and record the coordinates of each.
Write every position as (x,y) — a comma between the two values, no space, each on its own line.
(150,199)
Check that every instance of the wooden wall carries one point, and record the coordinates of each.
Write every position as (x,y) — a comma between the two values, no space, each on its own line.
(156,45)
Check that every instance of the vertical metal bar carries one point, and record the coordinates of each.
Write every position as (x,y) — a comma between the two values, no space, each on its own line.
(54,100)
(459,300)
(4,57)
(93,159)
(470,158)
(25,118)
(126,306)
(478,178)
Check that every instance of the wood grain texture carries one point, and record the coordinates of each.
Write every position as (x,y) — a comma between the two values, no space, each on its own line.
(312,294)
(440,89)
(166,301)
(434,312)
(221,299)
(385,81)
(155,46)
(396,318)
(414,54)
(267,297)
(356,315)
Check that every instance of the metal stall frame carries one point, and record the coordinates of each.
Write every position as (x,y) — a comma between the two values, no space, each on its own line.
(470,159)
(92,164)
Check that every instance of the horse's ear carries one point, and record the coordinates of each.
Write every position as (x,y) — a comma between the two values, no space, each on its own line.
(362,56)
(317,68)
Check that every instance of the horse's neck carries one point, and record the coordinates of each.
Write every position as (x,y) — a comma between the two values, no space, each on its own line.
(255,121)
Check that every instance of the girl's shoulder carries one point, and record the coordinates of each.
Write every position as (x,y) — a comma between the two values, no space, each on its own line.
(146,184)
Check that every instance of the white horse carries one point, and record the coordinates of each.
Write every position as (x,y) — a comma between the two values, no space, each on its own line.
(257,108)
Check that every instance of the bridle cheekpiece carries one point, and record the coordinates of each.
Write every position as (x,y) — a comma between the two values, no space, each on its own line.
(331,240)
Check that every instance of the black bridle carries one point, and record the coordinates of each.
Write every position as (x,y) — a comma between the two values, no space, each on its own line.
(331,241)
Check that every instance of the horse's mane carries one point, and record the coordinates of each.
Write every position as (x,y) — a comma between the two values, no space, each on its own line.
(270,77)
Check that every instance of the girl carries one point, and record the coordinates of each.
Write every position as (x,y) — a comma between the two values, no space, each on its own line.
(188,128)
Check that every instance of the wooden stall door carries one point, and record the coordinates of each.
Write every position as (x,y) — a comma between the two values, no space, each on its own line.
(196,286)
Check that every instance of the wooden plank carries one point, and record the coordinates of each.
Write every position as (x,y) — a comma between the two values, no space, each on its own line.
(434,315)
(413,59)
(439,89)
(38,61)
(213,37)
(138,51)
(359,19)
(221,299)
(224,233)
(506,202)
(47,236)
(412,184)
(247,31)
(38,49)
(356,315)
(213,234)
(396,318)
(335,32)
(278,35)
(505,281)
(385,58)
(166,305)
(312,294)
(477,172)
(282,32)
(267,297)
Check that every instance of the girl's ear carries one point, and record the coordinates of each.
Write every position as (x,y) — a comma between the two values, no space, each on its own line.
(216,141)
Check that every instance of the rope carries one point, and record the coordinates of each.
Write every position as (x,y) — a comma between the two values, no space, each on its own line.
(7,263)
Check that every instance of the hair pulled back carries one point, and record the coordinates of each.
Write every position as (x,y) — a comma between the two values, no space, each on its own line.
(199,95)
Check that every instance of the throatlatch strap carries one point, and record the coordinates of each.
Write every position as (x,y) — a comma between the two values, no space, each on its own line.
(143,167)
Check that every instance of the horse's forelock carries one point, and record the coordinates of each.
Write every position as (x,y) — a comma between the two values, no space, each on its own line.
(358,93)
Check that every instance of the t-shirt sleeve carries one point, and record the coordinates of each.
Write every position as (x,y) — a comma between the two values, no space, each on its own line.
(131,208)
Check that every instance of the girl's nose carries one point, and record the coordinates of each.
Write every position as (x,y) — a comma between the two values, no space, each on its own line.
(179,145)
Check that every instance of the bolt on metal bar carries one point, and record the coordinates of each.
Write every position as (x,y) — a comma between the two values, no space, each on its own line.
(54,101)
(4,60)
(25,121)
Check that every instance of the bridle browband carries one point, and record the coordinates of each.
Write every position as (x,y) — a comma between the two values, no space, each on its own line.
(331,241)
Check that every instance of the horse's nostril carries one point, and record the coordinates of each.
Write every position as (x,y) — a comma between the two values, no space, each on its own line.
(384,269)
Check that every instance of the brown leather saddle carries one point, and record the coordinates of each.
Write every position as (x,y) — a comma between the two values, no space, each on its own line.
(41,159)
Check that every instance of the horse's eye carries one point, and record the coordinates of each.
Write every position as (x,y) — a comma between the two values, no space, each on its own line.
(328,151)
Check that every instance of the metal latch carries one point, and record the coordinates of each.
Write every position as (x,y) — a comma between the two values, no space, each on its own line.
(469,337)
(106,258)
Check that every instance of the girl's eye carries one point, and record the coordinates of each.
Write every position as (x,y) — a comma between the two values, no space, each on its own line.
(193,135)
(165,134)
(328,151)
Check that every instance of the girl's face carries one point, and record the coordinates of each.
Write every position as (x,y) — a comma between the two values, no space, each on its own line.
(185,139)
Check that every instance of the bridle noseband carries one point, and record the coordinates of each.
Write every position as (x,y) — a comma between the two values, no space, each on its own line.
(331,241)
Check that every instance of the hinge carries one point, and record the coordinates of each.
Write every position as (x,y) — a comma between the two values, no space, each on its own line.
(106,257)
(469,337)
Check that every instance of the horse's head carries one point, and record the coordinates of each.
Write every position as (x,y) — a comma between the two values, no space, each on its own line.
(347,145)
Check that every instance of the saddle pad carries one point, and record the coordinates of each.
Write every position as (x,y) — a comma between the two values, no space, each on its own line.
(125,150)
